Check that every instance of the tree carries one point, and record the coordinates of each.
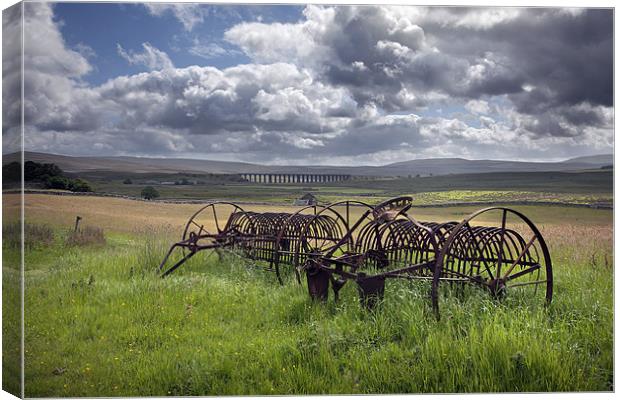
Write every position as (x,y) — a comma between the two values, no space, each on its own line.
(78,185)
(35,171)
(127,181)
(149,193)
(57,182)
(12,172)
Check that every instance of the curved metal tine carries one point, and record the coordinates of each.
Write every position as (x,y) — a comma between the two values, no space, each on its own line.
(514,264)
(501,243)
(472,237)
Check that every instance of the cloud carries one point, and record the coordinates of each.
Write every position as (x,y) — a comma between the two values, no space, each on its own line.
(341,85)
(152,58)
(210,50)
(206,100)
(477,107)
(380,53)
(11,78)
(55,97)
(188,14)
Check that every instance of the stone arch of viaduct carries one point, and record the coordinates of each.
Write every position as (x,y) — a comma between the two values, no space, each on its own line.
(294,178)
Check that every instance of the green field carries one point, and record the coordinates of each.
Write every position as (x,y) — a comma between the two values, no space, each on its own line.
(99,322)
(583,187)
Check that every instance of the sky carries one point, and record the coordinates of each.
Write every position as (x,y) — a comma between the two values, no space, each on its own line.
(316,84)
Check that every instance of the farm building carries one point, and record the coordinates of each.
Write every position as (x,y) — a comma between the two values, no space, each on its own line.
(307,199)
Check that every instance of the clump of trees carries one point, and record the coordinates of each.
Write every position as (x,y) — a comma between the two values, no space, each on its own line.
(74,185)
(149,193)
(49,175)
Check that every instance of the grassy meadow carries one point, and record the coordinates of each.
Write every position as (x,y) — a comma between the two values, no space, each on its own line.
(99,322)
(581,187)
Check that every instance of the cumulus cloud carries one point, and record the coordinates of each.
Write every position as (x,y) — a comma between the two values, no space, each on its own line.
(344,84)
(55,97)
(152,58)
(206,100)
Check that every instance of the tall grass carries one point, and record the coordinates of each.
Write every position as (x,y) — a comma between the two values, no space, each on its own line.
(88,235)
(34,235)
(99,322)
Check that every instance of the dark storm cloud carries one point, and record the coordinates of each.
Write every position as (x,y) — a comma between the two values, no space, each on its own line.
(570,56)
(543,59)
(550,62)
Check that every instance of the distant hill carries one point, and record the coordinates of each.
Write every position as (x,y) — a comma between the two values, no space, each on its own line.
(444,166)
(599,159)
(423,167)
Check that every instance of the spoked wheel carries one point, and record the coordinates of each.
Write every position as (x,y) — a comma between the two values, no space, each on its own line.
(212,221)
(500,250)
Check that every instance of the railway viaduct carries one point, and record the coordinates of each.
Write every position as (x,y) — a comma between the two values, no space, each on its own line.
(294,178)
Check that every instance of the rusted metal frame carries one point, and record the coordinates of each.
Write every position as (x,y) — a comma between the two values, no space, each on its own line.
(347,235)
(178,264)
(415,245)
(371,286)
(517,243)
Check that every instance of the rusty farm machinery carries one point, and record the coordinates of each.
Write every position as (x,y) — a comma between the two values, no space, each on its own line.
(497,249)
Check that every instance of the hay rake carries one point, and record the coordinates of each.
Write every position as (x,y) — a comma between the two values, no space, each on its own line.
(496,248)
